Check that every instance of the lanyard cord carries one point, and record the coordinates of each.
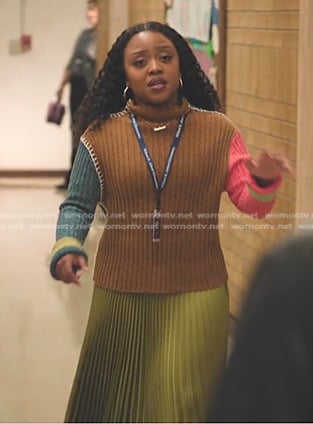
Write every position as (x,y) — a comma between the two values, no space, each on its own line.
(159,186)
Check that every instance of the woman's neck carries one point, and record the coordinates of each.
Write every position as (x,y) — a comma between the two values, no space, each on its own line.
(158,113)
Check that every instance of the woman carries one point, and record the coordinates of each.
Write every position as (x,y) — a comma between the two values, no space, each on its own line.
(158,155)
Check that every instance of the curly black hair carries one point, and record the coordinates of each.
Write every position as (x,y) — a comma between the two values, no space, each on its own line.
(106,95)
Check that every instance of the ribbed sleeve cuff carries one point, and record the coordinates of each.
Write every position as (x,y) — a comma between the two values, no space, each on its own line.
(263,194)
(62,247)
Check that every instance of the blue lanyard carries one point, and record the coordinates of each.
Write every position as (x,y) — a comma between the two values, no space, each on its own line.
(159,186)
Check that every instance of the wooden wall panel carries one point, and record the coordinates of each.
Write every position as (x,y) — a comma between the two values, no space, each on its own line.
(261,5)
(261,99)
(103,35)
(119,12)
(263,72)
(263,107)
(305,121)
(146,10)
(264,20)
(261,37)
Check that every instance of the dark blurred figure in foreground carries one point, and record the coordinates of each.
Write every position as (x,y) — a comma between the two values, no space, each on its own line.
(80,72)
(269,377)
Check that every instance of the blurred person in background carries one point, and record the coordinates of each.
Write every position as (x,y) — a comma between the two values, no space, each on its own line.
(269,377)
(80,73)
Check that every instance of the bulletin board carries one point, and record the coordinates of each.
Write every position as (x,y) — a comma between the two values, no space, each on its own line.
(203,24)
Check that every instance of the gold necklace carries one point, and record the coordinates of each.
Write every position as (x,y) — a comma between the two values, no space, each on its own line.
(160,128)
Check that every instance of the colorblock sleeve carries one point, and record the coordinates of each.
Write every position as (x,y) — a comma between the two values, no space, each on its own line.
(76,213)
(243,190)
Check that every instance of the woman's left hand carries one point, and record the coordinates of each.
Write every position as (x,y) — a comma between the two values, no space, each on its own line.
(268,166)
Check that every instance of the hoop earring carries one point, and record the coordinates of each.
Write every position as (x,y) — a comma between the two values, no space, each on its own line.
(180,83)
(125,92)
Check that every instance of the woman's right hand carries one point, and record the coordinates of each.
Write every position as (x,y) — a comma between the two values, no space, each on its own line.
(59,93)
(70,267)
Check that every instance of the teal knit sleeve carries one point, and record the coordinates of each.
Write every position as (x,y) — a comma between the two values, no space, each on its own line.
(76,213)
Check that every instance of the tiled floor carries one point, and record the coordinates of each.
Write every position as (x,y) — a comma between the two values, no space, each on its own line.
(41,321)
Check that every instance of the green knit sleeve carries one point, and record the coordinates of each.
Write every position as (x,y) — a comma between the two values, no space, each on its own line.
(76,213)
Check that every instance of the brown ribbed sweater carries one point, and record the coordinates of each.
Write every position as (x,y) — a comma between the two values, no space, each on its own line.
(188,256)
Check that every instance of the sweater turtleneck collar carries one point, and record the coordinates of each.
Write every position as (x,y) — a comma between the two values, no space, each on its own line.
(158,114)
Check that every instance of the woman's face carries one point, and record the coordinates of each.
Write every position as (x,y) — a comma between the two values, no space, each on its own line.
(152,68)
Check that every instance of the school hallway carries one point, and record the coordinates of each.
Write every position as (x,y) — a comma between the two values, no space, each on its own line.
(42,321)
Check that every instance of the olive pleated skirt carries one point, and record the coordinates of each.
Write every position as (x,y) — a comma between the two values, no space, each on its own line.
(150,357)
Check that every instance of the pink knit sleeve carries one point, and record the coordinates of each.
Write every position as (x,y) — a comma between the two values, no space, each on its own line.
(242,188)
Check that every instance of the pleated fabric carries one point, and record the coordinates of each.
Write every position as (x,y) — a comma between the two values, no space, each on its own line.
(150,357)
